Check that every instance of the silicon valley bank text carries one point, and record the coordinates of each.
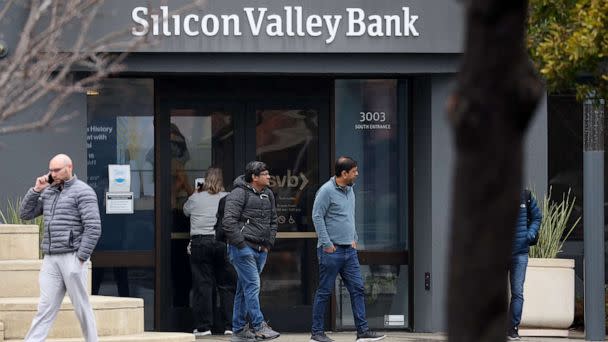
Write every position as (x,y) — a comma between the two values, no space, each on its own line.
(289,23)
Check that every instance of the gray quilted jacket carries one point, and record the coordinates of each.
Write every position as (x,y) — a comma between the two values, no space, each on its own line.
(71,217)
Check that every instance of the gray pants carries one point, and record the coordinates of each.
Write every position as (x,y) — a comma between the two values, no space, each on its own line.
(61,272)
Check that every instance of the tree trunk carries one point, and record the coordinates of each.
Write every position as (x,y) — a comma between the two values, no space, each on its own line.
(490,109)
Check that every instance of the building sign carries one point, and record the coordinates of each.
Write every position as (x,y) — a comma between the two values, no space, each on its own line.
(280,26)
(290,22)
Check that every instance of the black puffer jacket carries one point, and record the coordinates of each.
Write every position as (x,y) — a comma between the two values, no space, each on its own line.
(256,226)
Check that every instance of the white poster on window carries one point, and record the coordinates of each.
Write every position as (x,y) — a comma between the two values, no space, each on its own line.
(120,178)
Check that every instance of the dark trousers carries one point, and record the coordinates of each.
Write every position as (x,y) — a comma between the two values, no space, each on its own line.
(211,270)
(517,276)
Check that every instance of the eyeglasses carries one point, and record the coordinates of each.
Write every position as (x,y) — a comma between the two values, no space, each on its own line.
(264,173)
(57,169)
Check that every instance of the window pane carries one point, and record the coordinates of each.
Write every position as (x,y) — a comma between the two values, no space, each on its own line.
(120,131)
(386,301)
(367,129)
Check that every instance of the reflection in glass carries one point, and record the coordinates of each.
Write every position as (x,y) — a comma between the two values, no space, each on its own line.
(288,142)
(367,129)
(386,289)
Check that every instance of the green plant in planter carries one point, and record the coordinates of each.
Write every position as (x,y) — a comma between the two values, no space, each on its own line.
(11,216)
(556,216)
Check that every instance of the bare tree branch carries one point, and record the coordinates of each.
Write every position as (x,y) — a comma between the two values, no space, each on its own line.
(40,66)
(7,5)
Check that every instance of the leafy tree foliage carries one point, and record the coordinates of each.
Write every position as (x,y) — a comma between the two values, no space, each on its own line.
(568,40)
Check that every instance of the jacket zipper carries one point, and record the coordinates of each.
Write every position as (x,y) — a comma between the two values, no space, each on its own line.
(52,216)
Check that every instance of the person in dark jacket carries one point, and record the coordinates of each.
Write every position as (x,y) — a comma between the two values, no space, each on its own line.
(526,233)
(250,224)
(71,230)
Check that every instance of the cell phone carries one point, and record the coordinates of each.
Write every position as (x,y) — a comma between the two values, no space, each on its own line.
(50,179)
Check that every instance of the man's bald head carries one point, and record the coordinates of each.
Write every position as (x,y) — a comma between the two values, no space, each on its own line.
(61,168)
(62,158)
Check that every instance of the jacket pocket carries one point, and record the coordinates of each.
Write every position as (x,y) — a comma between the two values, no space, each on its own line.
(71,239)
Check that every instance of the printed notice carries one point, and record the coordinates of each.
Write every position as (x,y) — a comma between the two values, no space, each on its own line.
(119,203)
(120,178)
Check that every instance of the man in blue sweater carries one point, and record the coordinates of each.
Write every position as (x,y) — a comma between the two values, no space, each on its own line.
(526,234)
(333,215)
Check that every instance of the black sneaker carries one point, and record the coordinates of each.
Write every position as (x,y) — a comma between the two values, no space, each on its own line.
(320,337)
(512,335)
(369,336)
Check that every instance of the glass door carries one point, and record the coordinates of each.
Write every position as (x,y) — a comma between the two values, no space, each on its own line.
(226,123)
(287,139)
(197,136)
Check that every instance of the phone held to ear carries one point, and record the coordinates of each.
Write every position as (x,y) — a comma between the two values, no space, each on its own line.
(50,179)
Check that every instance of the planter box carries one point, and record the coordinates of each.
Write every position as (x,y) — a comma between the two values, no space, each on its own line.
(548,298)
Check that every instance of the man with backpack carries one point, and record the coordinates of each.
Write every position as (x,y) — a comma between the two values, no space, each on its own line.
(250,224)
(526,235)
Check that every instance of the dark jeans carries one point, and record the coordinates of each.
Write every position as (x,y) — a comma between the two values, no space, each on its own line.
(210,270)
(248,264)
(345,262)
(517,276)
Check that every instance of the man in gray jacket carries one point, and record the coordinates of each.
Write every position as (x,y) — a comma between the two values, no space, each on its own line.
(250,223)
(71,230)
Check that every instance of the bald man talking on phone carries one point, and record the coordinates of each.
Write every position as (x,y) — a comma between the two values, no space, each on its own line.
(71,230)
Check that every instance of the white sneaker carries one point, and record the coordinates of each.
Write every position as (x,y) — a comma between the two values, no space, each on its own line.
(227,332)
(198,334)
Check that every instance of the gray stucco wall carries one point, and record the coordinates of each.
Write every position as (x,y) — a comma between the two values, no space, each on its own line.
(26,156)
(433,162)
(536,157)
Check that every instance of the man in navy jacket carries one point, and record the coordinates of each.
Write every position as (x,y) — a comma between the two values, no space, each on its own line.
(526,234)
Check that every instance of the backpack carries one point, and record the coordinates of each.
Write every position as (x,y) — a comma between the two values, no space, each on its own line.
(528,197)
(220,235)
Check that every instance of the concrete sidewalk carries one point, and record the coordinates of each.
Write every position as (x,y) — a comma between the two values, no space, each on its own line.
(394,336)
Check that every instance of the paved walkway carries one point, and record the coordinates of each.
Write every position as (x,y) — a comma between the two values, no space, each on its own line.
(395,337)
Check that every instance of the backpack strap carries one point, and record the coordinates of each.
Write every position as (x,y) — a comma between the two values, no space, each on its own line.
(244,205)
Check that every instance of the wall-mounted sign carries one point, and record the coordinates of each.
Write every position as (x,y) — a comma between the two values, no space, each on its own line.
(279,26)
(119,203)
(372,120)
(289,22)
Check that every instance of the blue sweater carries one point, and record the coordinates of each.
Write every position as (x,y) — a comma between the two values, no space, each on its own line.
(333,215)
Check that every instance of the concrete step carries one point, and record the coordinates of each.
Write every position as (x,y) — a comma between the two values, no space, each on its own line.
(144,337)
(20,278)
(18,242)
(114,316)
